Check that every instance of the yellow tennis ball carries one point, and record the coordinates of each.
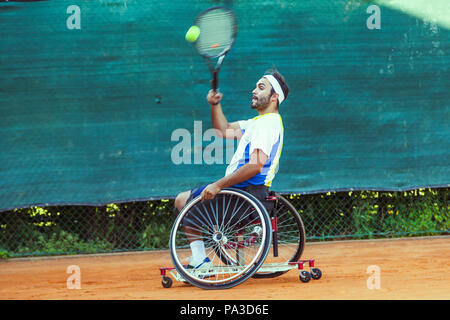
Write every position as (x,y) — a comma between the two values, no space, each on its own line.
(192,34)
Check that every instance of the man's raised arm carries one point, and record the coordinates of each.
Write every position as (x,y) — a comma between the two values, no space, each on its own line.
(224,129)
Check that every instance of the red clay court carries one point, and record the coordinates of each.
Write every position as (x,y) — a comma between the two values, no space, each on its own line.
(414,268)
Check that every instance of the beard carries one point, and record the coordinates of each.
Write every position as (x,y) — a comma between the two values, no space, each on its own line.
(260,103)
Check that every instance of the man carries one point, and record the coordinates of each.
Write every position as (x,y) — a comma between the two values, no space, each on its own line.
(255,161)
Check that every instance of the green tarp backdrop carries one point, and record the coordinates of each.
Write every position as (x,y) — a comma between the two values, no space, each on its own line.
(115,110)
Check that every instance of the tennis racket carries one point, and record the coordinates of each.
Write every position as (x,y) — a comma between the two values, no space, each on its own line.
(218,31)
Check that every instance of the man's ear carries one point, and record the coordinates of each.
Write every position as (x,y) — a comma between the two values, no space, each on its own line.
(274,97)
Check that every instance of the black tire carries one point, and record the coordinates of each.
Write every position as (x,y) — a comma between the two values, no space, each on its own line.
(166,282)
(291,235)
(217,221)
(305,276)
(316,273)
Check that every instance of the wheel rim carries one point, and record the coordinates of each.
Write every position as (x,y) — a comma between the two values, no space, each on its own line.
(225,225)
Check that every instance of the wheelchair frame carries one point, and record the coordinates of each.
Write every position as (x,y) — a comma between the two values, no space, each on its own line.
(257,268)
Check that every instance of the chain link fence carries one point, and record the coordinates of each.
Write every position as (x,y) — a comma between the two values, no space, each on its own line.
(146,225)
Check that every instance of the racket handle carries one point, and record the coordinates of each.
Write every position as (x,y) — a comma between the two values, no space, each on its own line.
(215,80)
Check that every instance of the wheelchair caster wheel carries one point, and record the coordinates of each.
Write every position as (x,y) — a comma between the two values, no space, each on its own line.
(166,282)
(305,276)
(316,274)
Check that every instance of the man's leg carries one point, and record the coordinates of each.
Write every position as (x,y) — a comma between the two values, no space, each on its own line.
(181,199)
(180,202)
(193,235)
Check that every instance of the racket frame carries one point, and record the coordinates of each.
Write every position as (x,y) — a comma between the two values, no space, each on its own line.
(214,69)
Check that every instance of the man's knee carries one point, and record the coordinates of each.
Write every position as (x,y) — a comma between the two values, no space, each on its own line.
(181,199)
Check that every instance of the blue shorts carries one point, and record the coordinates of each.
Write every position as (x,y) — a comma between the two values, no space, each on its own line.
(198,191)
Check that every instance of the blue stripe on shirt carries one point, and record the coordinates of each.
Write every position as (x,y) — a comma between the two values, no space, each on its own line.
(260,178)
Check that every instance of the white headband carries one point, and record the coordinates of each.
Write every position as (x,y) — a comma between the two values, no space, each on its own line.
(276,86)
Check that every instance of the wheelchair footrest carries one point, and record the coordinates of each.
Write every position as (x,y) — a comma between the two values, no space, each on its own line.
(214,271)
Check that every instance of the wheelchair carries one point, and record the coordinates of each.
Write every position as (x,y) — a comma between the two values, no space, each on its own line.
(242,240)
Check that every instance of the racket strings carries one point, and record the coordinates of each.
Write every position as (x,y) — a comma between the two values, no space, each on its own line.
(217,32)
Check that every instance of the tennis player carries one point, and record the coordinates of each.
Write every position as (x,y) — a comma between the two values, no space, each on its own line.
(255,162)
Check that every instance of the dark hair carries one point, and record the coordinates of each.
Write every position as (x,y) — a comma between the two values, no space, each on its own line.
(277,75)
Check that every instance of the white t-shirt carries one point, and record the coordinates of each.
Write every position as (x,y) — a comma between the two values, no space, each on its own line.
(263,132)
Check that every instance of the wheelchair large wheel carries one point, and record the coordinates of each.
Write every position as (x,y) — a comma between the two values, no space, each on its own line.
(226,226)
(290,236)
